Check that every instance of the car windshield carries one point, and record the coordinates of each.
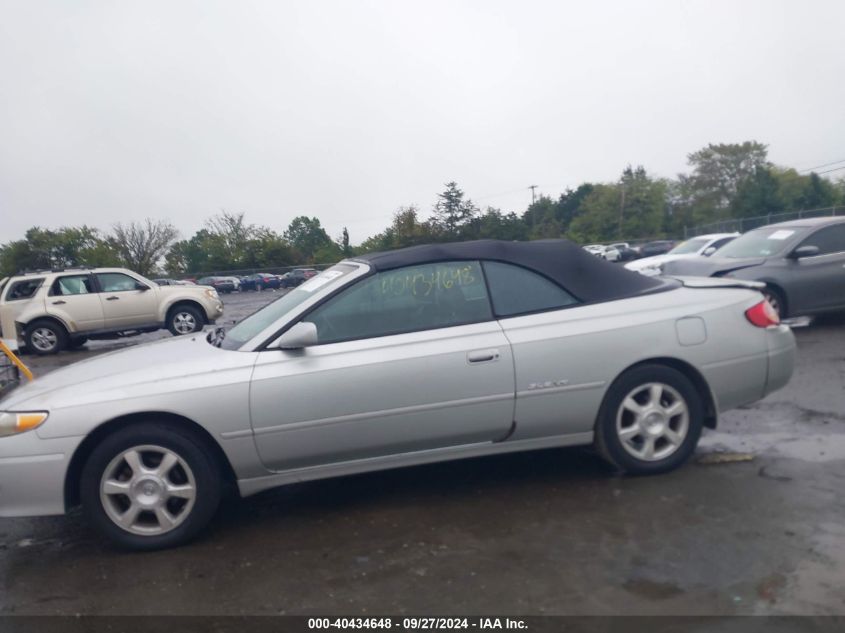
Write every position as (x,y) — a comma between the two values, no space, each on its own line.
(759,243)
(689,247)
(272,312)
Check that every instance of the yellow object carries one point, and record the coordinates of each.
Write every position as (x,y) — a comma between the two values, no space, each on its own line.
(15,360)
(27,421)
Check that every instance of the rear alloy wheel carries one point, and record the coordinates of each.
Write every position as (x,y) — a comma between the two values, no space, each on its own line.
(650,421)
(185,320)
(149,486)
(45,337)
(775,300)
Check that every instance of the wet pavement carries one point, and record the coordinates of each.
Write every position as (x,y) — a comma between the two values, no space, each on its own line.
(553,531)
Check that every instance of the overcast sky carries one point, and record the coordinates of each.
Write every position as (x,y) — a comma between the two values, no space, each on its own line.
(113,111)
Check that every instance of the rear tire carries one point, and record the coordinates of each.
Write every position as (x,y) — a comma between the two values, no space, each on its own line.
(150,486)
(45,337)
(650,421)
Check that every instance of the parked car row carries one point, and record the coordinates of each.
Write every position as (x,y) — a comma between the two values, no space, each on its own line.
(257,281)
(624,252)
(800,264)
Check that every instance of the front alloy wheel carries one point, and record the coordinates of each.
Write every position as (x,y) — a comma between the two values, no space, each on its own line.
(148,490)
(150,485)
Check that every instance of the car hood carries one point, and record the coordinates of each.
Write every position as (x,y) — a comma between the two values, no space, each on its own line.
(116,372)
(709,266)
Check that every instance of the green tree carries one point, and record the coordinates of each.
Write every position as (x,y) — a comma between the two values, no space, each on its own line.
(62,248)
(757,194)
(344,243)
(452,214)
(406,229)
(494,224)
(717,171)
(307,236)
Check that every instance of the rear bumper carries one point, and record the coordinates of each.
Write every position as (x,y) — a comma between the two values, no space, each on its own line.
(32,474)
(782,350)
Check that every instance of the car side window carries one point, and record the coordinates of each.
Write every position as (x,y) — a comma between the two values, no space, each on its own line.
(830,239)
(72,285)
(516,290)
(116,282)
(408,299)
(721,242)
(24,289)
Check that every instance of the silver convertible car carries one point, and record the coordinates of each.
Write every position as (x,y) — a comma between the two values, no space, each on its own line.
(393,359)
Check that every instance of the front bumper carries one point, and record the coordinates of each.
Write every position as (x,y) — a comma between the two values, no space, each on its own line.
(32,474)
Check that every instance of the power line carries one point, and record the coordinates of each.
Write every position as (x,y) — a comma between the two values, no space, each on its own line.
(836,162)
(827,171)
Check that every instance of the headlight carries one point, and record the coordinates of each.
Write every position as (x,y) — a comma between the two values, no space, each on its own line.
(13,423)
(211,293)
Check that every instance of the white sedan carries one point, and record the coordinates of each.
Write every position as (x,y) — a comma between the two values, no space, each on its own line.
(701,246)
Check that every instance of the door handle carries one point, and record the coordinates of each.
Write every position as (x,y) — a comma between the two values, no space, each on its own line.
(112,298)
(59,303)
(483,356)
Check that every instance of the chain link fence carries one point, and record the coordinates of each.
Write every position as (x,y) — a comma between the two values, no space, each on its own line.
(741,225)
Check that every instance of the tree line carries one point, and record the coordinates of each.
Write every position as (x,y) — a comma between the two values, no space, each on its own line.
(724,181)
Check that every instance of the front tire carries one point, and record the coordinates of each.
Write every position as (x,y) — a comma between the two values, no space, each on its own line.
(150,486)
(185,319)
(650,421)
(45,337)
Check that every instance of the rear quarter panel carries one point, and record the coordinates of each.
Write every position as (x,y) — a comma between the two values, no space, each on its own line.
(566,360)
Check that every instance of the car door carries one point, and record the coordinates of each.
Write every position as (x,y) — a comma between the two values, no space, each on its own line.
(125,304)
(818,282)
(408,360)
(74,300)
(557,367)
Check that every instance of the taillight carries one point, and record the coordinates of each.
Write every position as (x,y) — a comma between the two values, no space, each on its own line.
(762,314)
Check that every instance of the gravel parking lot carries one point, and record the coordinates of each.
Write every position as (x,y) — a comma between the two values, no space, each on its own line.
(554,531)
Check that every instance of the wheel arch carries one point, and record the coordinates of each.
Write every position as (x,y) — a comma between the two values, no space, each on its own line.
(711,412)
(193,303)
(779,289)
(83,451)
(25,323)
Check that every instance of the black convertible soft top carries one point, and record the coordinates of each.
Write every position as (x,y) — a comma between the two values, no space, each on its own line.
(589,278)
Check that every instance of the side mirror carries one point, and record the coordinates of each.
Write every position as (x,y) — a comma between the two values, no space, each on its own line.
(805,251)
(303,334)
(709,251)
(140,286)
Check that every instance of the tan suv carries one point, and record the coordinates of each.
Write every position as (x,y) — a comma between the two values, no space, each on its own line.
(49,311)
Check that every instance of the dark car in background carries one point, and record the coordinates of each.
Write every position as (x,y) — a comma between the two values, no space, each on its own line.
(220,284)
(802,263)
(298,276)
(260,281)
(626,253)
(658,247)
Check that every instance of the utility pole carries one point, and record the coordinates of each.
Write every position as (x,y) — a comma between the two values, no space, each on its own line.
(533,195)
(533,210)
